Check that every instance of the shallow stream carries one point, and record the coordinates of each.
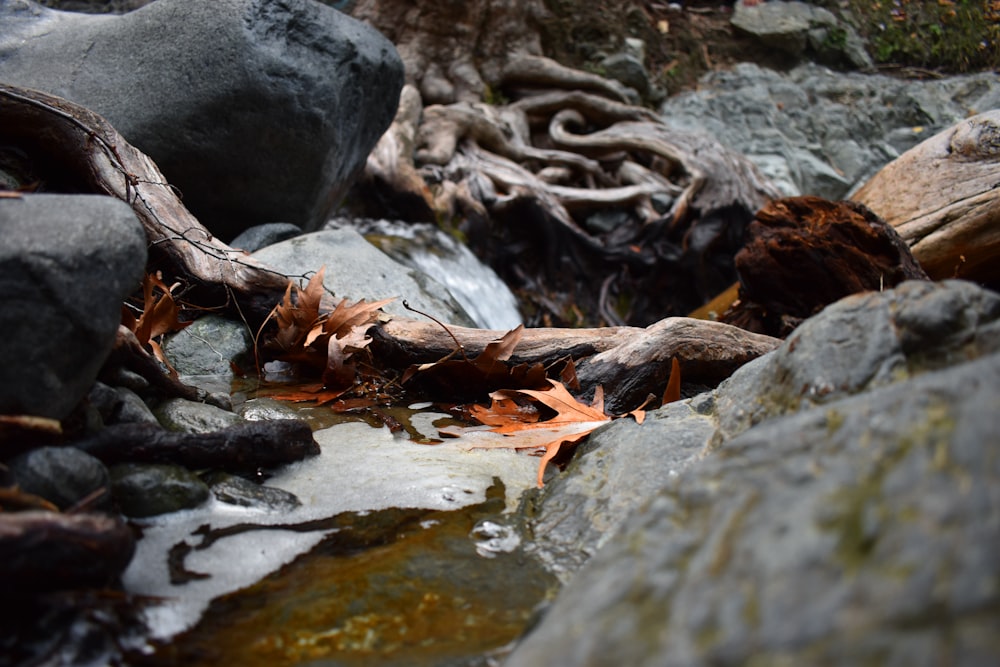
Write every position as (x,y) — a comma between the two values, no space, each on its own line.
(400,554)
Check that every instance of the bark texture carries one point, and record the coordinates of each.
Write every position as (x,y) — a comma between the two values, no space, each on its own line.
(943,197)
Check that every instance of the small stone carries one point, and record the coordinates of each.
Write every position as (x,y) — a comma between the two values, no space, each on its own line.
(236,490)
(62,475)
(148,489)
(185,416)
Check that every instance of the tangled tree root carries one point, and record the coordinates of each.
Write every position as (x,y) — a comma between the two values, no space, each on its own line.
(594,209)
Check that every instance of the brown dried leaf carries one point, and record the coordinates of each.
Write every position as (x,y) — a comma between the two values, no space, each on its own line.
(160,313)
(673,390)
(573,422)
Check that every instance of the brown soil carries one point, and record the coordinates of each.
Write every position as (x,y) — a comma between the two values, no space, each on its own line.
(682,43)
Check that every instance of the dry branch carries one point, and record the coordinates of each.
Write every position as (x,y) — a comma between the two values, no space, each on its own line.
(630,362)
(76,150)
(942,198)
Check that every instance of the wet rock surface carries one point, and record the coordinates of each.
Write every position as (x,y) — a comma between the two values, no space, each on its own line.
(356,269)
(840,511)
(147,489)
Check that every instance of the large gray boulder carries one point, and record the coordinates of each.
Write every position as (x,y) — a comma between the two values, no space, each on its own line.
(834,502)
(257,111)
(799,29)
(66,264)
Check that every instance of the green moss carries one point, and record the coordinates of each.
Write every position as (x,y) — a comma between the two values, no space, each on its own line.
(861,511)
(951,35)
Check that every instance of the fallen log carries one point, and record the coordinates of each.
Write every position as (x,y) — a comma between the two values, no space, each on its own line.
(629,362)
(942,198)
(244,447)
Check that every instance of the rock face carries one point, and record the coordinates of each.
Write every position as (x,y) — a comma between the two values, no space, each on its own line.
(281,100)
(842,509)
(817,132)
(66,264)
(801,30)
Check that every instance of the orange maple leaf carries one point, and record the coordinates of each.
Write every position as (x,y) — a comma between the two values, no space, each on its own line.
(512,428)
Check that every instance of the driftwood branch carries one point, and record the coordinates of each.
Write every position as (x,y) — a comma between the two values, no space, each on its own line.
(942,198)
(629,362)
(47,551)
(243,447)
(74,149)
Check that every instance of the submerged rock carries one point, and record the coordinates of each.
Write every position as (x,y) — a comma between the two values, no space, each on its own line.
(148,489)
(236,490)
(844,507)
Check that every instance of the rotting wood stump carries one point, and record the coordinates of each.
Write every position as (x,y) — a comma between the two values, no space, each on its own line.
(804,253)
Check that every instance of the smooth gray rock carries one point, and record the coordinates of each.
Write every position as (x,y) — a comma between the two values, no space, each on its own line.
(119,405)
(261,236)
(210,346)
(266,409)
(356,269)
(845,508)
(235,490)
(184,416)
(861,343)
(66,264)
(150,489)
(256,110)
(860,532)
(819,132)
(617,470)
(62,475)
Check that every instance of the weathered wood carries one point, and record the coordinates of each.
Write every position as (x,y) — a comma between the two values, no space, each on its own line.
(804,253)
(942,196)
(243,447)
(75,150)
(402,342)
(629,362)
(708,352)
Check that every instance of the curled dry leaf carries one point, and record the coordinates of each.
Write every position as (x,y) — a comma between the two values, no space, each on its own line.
(160,315)
(323,341)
